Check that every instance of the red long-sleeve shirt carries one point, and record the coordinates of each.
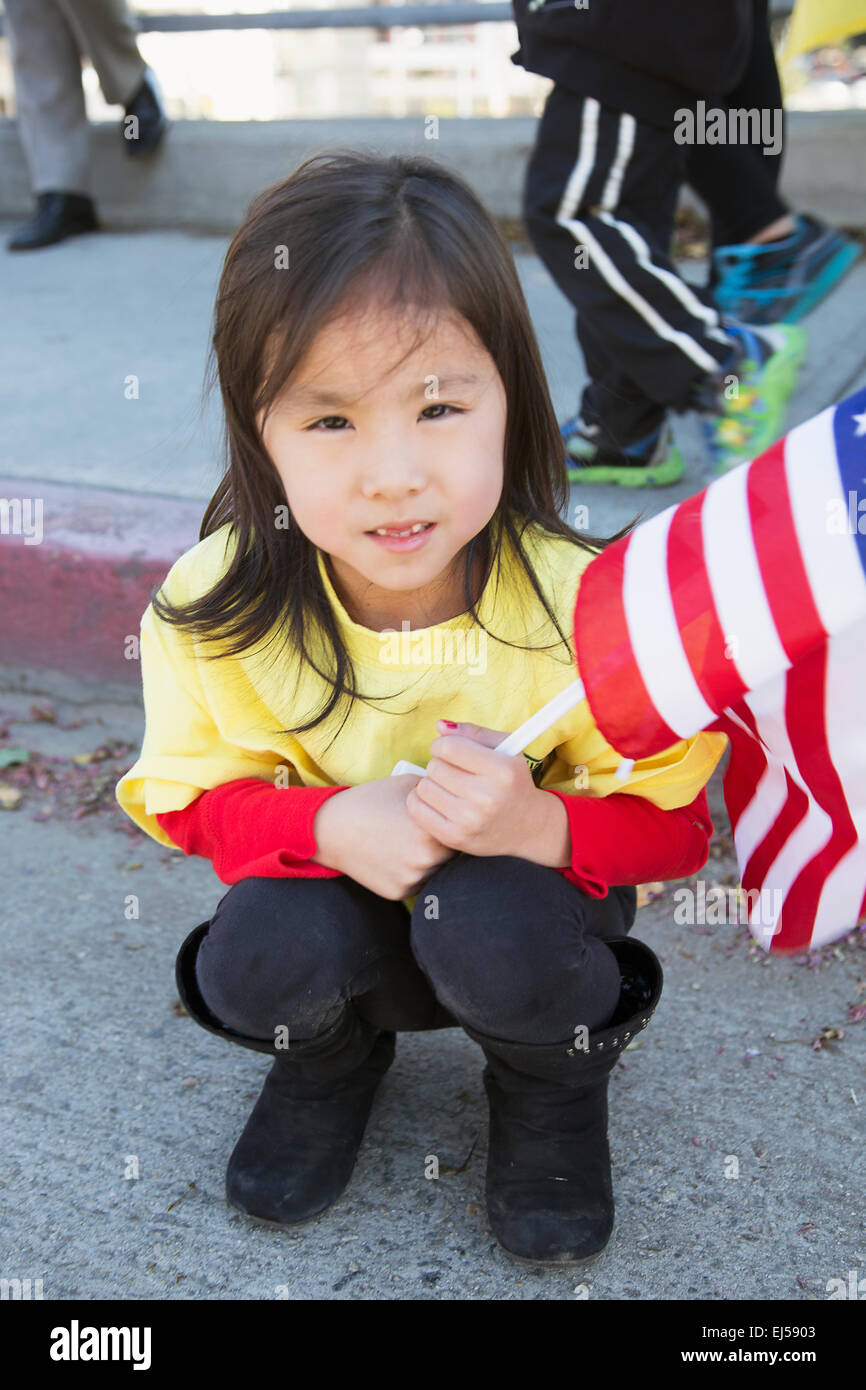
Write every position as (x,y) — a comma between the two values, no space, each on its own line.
(249,828)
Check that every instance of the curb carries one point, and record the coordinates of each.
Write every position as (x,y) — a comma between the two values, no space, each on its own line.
(77,569)
(206,172)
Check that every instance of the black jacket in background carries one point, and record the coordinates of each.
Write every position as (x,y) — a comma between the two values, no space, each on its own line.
(648,57)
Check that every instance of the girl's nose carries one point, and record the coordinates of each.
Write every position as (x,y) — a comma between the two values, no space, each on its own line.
(392,474)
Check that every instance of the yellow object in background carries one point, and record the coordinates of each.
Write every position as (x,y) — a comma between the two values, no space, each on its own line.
(817,23)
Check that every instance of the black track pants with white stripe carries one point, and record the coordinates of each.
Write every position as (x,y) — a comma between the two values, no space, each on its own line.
(599,202)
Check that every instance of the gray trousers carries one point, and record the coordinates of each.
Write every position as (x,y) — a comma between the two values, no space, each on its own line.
(47,39)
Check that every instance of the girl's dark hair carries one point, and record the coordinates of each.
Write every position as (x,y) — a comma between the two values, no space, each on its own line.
(406,232)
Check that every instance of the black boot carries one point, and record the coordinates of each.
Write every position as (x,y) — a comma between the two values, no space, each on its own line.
(58,215)
(549,1190)
(297,1150)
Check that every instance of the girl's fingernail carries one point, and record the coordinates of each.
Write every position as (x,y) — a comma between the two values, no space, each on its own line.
(448,723)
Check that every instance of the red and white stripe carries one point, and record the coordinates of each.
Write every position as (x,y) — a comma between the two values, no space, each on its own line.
(741,610)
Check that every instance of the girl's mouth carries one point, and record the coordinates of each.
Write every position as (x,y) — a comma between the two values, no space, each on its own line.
(394,541)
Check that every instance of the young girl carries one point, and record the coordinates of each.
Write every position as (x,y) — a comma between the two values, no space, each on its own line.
(390,522)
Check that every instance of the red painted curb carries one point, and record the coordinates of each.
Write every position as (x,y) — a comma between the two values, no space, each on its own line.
(77,569)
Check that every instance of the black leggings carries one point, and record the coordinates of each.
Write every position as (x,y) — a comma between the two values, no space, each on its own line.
(502,944)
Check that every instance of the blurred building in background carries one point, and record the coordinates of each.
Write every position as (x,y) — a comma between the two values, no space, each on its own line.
(443,70)
(273,74)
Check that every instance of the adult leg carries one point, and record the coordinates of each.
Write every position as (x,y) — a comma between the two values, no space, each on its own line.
(108,35)
(52,122)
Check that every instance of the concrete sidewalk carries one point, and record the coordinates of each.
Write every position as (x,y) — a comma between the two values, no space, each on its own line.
(736,1120)
(105,430)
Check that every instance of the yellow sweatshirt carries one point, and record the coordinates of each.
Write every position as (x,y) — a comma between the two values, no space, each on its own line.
(210,722)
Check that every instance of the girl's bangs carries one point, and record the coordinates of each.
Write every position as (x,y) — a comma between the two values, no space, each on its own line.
(410,286)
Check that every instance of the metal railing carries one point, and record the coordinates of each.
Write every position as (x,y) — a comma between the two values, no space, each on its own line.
(372,17)
(364,17)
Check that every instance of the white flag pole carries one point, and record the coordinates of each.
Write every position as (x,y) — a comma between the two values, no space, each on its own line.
(529,731)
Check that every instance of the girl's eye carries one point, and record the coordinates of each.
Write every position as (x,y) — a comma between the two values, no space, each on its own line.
(326,418)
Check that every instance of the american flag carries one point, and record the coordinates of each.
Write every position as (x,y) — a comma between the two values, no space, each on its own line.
(743,610)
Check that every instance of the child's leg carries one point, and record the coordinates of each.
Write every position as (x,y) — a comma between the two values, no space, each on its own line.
(769,264)
(626,414)
(599,204)
(516,957)
(514,952)
(318,973)
(294,953)
(738,182)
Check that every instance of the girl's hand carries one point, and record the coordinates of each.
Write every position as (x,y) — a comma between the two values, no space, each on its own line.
(367,833)
(476,800)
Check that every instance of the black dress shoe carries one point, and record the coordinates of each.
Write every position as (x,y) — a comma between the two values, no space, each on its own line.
(58,215)
(143,135)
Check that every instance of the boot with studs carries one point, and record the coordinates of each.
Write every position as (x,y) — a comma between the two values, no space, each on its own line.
(549,1191)
(298,1148)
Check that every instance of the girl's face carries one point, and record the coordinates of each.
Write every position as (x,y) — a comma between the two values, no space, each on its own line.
(361,445)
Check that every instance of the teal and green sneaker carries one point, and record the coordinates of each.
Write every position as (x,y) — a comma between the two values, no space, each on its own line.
(781,281)
(752,392)
(654,461)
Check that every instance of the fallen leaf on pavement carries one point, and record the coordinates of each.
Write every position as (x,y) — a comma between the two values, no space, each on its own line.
(647,892)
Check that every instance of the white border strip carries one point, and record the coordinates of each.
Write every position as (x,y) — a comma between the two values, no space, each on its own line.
(831,559)
(617,281)
(624,147)
(735,578)
(585,161)
(654,633)
(678,288)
